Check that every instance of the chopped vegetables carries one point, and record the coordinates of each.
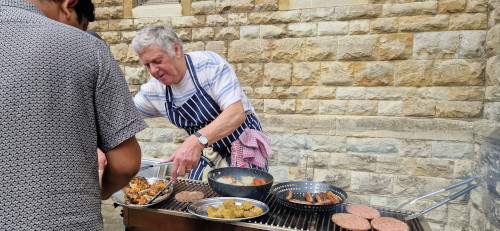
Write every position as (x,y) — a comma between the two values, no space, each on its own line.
(246,181)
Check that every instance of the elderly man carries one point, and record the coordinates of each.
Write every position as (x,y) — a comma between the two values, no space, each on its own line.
(63,95)
(200,93)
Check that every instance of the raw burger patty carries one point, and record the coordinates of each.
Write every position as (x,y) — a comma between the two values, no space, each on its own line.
(363,211)
(351,222)
(187,196)
(389,224)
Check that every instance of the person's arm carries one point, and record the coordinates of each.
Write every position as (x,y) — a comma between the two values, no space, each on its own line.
(123,163)
(188,154)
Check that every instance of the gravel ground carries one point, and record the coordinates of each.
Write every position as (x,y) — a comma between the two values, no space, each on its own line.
(111,216)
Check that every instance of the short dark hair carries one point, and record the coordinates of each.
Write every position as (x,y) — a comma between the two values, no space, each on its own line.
(85,8)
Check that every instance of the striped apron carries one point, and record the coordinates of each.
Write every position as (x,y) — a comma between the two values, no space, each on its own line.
(199,111)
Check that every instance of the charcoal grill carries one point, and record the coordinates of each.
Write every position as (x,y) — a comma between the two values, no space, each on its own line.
(173,215)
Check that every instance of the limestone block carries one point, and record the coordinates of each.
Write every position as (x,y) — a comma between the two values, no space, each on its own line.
(111,37)
(144,135)
(373,74)
(289,157)
(306,73)
(272,31)
(476,6)
(357,12)
(471,44)
(250,74)
(119,51)
(248,50)
(290,141)
(436,45)
(203,7)
(283,50)
(380,146)
(466,93)
(321,92)
(227,33)
(184,34)
(371,183)
(492,44)
(292,92)
(320,48)
(280,173)
(492,93)
(361,26)
(395,46)
(99,25)
(277,74)
(410,9)
(300,173)
(494,3)
(112,2)
(318,14)
(302,29)
(203,33)
(385,201)
(162,135)
(361,107)
(121,24)
(357,47)
(180,136)
(492,111)
(257,104)
(248,91)
(275,17)
(193,46)
(225,6)
(458,72)
(318,159)
(391,93)
(410,186)
(136,75)
(459,109)
(216,20)
(188,21)
(434,93)
(390,108)
(155,150)
(419,108)
(341,179)
(494,17)
(415,148)
(237,19)
(384,25)
(276,106)
(423,23)
(452,6)
(455,129)
(335,73)
(351,93)
(333,107)
(366,163)
(160,122)
(307,106)
(249,32)
(386,164)
(134,89)
(464,169)
(218,47)
(417,73)
(108,12)
(433,167)
(266,5)
(478,221)
(333,28)
(452,150)
(264,92)
(478,21)
(128,36)
(146,22)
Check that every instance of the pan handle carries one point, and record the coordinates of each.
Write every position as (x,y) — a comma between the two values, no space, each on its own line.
(452,197)
(439,191)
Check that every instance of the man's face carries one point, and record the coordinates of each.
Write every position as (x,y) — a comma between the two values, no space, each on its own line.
(166,69)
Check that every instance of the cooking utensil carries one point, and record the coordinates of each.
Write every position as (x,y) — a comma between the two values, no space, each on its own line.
(228,190)
(299,188)
(159,193)
(452,197)
(155,165)
(199,208)
(119,196)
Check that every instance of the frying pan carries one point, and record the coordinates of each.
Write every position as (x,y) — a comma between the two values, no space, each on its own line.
(227,190)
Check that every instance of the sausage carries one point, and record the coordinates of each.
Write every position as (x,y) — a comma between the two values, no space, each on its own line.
(324,202)
(318,197)
(332,197)
(300,202)
(309,197)
(289,195)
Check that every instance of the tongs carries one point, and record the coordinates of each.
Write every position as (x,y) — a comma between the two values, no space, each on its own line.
(452,197)
(204,158)
(160,192)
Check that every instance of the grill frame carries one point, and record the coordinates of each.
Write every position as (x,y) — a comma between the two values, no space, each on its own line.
(175,215)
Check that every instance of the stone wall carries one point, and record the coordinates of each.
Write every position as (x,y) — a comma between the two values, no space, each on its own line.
(388,100)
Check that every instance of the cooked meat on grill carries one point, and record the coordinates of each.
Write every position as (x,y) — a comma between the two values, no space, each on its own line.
(318,197)
(187,196)
(332,197)
(389,224)
(351,222)
(309,197)
(300,202)
(289,195)
(363,211)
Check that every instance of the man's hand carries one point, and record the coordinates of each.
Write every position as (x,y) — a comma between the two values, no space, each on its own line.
(186,157)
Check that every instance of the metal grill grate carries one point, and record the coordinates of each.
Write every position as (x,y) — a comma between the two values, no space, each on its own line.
(282,217)
(151,2)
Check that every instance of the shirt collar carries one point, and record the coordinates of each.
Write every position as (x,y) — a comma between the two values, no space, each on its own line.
(22,4)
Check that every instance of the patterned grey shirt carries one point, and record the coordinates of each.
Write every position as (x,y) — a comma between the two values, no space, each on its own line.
(62,95)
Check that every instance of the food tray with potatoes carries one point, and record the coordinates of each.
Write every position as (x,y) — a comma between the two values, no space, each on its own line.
(228,209)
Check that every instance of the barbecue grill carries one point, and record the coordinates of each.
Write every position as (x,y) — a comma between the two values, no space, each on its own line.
(173,215)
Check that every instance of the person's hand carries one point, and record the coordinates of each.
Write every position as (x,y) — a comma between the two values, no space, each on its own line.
(186,157)
(101,158)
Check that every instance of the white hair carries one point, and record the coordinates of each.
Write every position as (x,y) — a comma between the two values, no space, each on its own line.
(163,36)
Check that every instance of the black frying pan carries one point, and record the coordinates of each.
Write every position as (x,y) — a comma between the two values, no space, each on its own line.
(227,190)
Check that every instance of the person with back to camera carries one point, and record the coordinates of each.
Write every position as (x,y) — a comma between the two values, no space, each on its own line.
(200,93)
(62,95)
